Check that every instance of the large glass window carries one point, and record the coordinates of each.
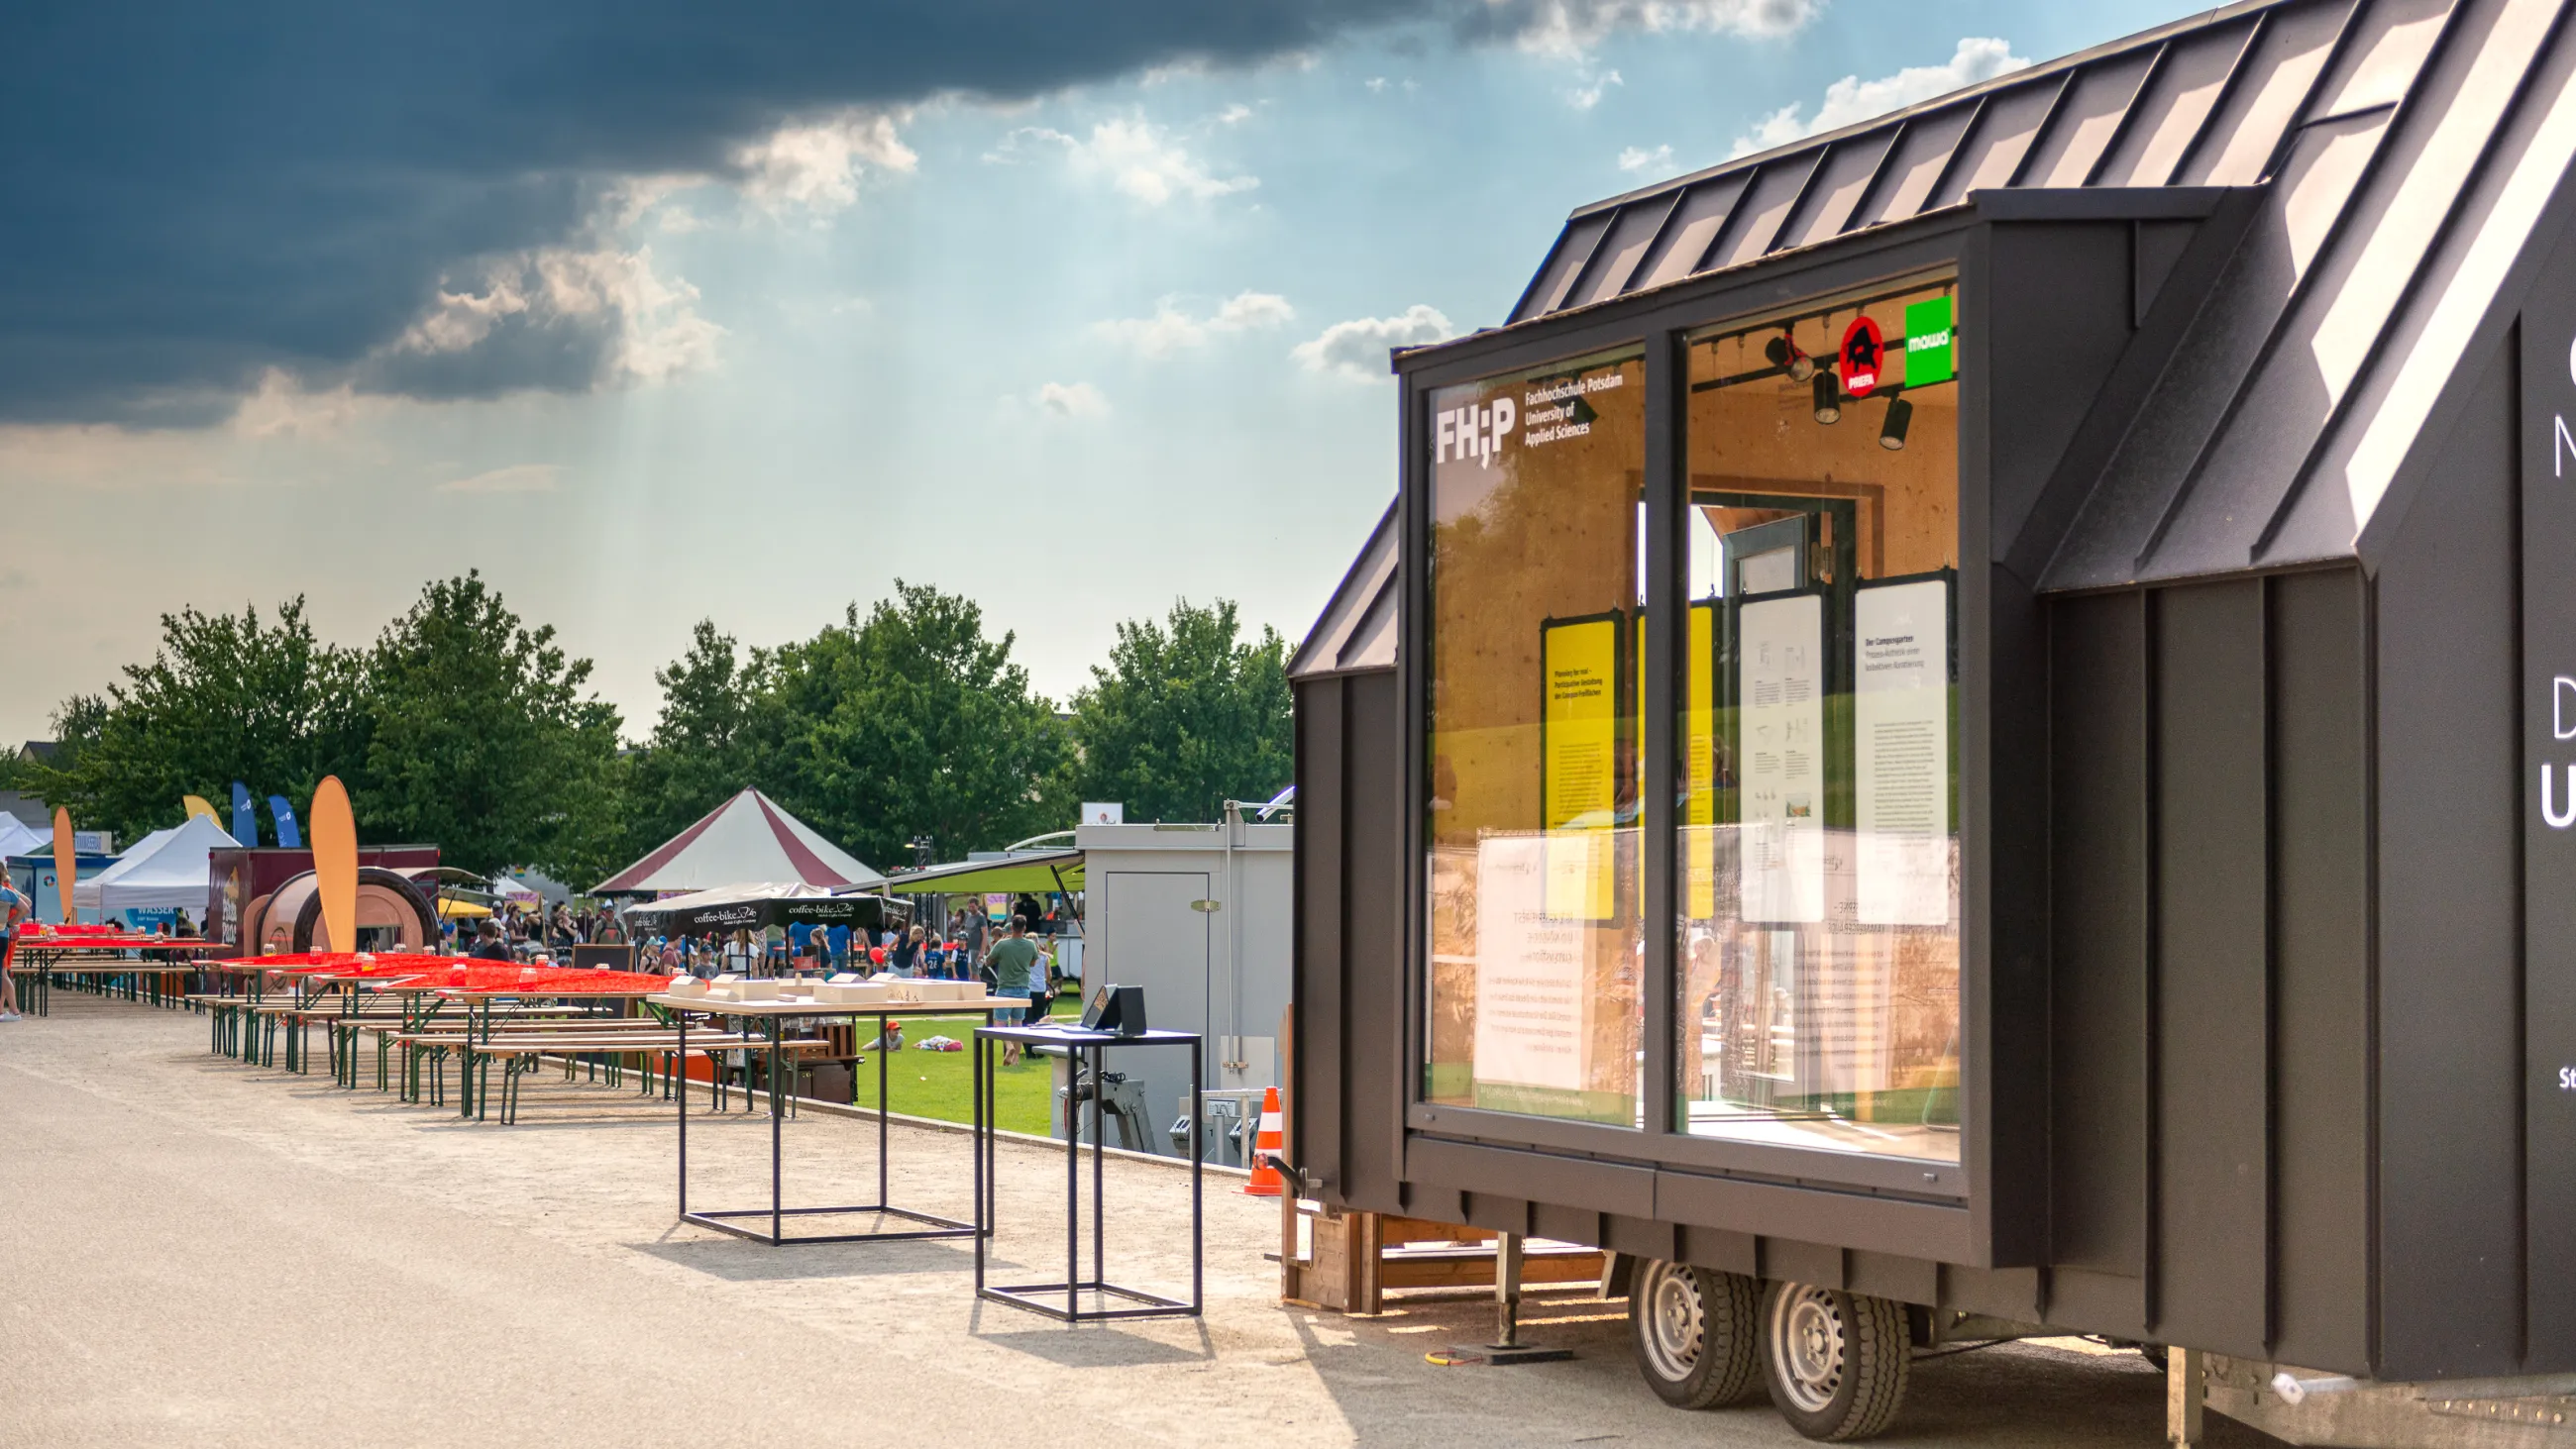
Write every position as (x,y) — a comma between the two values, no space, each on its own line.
(1817,865)
(1531,775)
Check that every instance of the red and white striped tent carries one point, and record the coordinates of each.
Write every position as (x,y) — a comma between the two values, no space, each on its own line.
(747,838)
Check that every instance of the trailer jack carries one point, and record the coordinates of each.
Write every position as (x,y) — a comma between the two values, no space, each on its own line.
(1507,1348)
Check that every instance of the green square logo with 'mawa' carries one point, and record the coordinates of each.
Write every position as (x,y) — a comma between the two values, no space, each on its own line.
(1928,350)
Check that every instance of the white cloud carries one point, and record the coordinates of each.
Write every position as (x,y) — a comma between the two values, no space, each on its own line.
(1172,328)
(1246,311)
(1633,159)
(1573,27)
(1357,349)
(1234,115)
(517,478)
(1133,155)
(813,167)
(1071,400)
(1588,93)
(1852,99)
(656,329)
(1375,84)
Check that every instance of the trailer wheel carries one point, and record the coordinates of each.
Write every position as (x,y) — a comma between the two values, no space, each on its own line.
(1835,1362)
(1692,1329)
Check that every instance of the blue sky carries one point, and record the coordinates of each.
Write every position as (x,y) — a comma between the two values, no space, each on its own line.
(1108,330)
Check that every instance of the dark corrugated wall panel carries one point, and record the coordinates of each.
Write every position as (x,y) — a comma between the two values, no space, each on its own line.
(2098,913)
(1349,967)
(2212,991)
(2547,521)
(2450,1190)
(1317,1121)
(2321,970)
(1373,934)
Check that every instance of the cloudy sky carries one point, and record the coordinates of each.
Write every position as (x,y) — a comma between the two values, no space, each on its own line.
(657,311)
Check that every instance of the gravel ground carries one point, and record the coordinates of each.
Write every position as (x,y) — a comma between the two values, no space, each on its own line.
(205,1253)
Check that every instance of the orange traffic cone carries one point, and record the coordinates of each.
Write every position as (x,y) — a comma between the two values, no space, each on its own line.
(1265,1178)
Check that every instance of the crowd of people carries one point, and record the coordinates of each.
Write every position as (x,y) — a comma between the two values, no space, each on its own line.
(1015,958)
(526,932)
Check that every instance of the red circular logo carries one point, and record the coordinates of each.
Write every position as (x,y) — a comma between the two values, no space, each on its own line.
(1857,364)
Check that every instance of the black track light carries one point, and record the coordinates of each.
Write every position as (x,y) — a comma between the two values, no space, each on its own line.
(1891,433)
(1784,355)
(1829,399)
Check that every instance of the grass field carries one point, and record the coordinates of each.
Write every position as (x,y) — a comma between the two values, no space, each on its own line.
(935,1084)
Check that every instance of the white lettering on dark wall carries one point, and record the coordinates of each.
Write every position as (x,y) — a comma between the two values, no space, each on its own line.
(2558,819)
(1474,432)
(1553,412)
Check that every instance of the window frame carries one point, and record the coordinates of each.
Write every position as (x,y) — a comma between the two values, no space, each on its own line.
(1880,1202)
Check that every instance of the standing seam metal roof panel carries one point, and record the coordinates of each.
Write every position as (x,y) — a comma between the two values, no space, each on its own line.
(2390,140)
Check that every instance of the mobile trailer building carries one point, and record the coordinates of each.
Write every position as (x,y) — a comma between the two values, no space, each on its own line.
(1974,715)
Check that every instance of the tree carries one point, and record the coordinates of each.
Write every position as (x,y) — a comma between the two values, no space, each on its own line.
(484,741)
(698,754)
(910,722)
(1185,717)
(224,698)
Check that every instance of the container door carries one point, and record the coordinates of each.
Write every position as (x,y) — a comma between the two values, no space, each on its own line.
(1151,933)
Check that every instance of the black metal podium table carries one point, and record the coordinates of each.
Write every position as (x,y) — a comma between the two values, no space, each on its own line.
(1092,1046)
(775,1013)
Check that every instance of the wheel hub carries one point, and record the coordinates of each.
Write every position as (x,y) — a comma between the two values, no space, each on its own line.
(1674,1324)
(1810,1340)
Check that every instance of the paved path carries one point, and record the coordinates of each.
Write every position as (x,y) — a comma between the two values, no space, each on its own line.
(197,1252)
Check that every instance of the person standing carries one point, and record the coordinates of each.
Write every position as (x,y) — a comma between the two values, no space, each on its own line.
(836,938)
(1014,963)
(906,956)
(491,947)
(14,911)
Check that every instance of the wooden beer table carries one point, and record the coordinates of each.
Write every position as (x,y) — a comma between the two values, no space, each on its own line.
(41,960)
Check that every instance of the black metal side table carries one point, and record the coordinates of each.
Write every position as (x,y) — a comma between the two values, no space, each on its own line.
(1091,1046)
(774,1013)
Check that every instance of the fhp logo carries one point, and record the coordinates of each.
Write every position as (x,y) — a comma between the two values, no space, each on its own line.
(1474,432)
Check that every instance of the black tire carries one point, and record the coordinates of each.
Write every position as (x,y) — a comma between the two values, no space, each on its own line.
(1692,1330)
(1835,1362)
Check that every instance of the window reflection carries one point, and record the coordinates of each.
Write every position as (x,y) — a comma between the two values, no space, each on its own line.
(1534,936)
(1817,865)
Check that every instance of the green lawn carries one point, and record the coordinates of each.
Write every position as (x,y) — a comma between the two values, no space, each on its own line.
(935,1084)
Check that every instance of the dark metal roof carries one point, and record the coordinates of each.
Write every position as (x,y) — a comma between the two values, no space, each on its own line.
(2396,156)
(1357,630)
(2202,102)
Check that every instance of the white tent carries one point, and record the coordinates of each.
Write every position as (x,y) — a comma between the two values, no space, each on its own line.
(17,837)
(747,838)
(168,868)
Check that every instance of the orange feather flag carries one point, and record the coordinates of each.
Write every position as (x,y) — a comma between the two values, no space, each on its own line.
(66,859)
(335,864)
